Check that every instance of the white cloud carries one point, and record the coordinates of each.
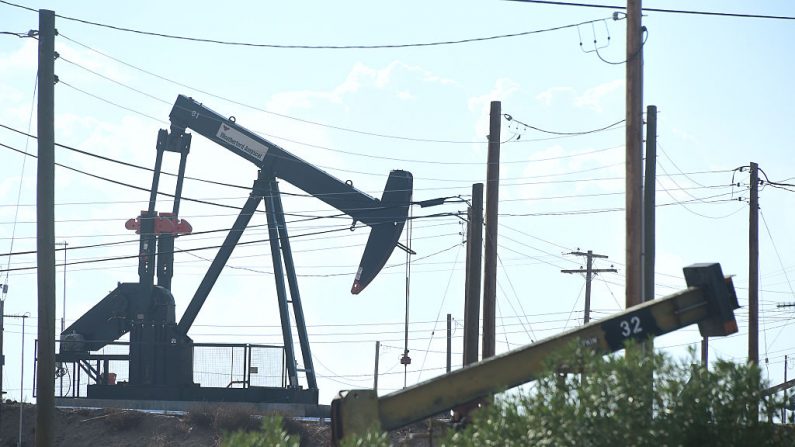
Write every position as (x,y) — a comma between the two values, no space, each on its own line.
(90,61)
(503,89)
(405,95)
(548,96)
(361,76)
(25,58)
(594,97)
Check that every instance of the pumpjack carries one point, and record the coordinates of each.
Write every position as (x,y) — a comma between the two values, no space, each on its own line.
(160,349)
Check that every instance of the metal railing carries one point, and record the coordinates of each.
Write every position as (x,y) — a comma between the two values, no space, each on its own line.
(216,365)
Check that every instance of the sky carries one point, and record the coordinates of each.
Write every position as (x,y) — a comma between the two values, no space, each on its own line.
(722,87)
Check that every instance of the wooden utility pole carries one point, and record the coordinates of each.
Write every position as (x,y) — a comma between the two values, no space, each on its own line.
(2,329)
(753,267)
(705,352)
(2,354)
(375,373)
(473,265)
(784,410)
(634,154)
(490,261)
(589,271)
(649,202)
(449,342)
(45,225)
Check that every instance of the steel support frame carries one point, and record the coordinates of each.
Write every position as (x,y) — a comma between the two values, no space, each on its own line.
(265,189)
(221,258)
(292,281)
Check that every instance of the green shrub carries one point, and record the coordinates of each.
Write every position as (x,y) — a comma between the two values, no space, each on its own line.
(271,435)
(612,404)
(373,438)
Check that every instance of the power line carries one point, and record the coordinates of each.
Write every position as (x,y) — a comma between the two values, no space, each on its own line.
(778,254)
(120,183)
(434,162)
(673,11)
(108,78)
(694,199)
(4,291)
(30,33)
(306,47)
(117,258)
(585,132)
(349,272)
(107,101)
(192,237)
(259,109)
(140,188)
(281,115)
(370,173)
(616,209)
(593,211)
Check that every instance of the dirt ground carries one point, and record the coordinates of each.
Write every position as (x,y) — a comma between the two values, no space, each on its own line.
(124,428)
(116,428)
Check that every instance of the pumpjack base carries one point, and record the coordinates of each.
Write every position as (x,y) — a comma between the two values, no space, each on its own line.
(294,410)
(203,394)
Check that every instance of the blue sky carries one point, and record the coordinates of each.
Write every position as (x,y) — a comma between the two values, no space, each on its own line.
(722,87)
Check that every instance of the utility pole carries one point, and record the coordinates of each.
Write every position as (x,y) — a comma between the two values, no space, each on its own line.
(473,265)
(705,352)
(589,271)
(375,373)
(649,202)
(449,342)
(3,291)
(45,224)
(21,372)
(490,261)
(784,410)
(634,154)
(753,267)
(63,318)
(63,306)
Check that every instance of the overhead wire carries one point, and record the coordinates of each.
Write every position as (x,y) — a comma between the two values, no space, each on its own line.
(781,264)
(531,333)
(4,286)
(189,199)
(108,78)
(322,231)
(135,256)
(638,52)
(439,312)
(303,47)
(667,157)
(584,132)
(369,156)
(281,115)
(574,306)
(507,183)
(259,109)
(672,11)
(115,104)
(695,199)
